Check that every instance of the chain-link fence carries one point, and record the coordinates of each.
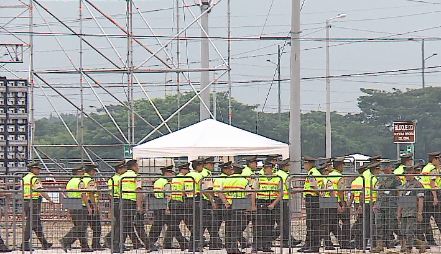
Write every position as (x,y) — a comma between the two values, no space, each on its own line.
(11,203)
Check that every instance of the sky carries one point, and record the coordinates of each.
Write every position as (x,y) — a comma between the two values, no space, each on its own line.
(253,60)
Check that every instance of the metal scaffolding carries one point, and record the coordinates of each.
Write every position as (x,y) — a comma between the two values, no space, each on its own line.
(75,52)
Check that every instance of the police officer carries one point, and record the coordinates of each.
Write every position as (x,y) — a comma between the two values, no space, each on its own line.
(411,216)
(114,186)
(269,194)
(431,198)
(406,160)
(283,173)
(131,202)
(192,204)
(233,188)
(212,216)
(313,183)
(75,190)
(329,215)
(32,200)
(162,190)
(177,205)
(386,207)
(251,166)
(139,229)
(94,218)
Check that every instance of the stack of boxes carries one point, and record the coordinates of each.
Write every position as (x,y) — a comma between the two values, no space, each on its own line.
(13,125)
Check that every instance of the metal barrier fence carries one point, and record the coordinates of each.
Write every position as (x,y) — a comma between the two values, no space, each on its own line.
(213,217)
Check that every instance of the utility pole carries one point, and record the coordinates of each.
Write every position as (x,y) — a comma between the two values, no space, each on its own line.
(279,98)
(230,108)
(205,56)
(423,64)
(328,97)
(295,143)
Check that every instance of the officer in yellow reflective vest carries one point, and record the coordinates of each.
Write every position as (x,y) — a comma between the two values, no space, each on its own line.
(283,173)
(162,190)
(177,205)
(211,216)
(75,190)
(431,206)
(31,186)
(313,183)
(269,190)
(131,202)
(192,203)
(406,161)
(365,182)
(328,216)
(251,166)
(94,216)
(114,187)
(233,188)
(343,210)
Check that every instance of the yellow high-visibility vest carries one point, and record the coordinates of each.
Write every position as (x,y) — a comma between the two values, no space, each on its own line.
(332,183)
(191,185)
(284,177)
(307,187)
(234,187)
(31,183)
(177,187)
(269,186)
(129,185)
(400,171)
(159,187)
(72,186)
(425,179)
(247,171)
(113,185)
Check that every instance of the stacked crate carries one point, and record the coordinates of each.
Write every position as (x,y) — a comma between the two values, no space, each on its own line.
(13,125)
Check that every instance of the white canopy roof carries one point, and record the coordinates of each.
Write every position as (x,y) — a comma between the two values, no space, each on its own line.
(209,138)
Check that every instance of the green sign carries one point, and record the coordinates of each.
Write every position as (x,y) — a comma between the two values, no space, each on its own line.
(128,151)
(409,148)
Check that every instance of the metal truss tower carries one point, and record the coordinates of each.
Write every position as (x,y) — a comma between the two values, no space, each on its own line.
(83,55)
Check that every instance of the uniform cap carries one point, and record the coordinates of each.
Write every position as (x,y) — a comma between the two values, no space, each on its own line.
(338,160)
(119,164)
(408,169)
(283,163)
(34,164)
(167,169)
(374,165)
(78,168)
(267,163)
(183,166)
(225,165)
(362,168)
(272,156)
(406,156)
(322,166)
(434,154)
(309,159)
(386,162)
(237,167)
(375,158)
(89,167)
(250,159)
(131,162)
(197,161)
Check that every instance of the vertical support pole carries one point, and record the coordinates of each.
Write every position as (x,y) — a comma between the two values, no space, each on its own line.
(205,56)
(131,115)
(279,96)
(423,66)
(31,126)
(230,108)
(81,138)
(328,97)
(178,80)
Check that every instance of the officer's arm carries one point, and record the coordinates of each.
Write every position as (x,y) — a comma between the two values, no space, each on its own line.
(39,187)
(434,187)
(139,195)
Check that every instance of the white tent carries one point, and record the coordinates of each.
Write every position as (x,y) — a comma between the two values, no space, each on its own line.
(209,138)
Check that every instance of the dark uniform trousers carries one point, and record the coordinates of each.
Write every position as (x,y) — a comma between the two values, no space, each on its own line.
(363,221)
(329,224)
(430,211)
(79,230)
(126,229)
(115,222)
(235,223)
(160,219)
(193,221)
(344,233)
(177,215)
(263,226)
(210,222)
(284,225)
(95,224)
(140,232)
(35,205)
(312,222)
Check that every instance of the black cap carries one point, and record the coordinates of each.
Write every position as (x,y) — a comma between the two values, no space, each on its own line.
(225,165)
(209,160)
(362,168)
(34,164)
(131,162)
(406,156)
(338,160)
(167,169)
(375,158)
(322,166)
(197,161)
(89,167)
(375,165)
(387,162)
(434,154)
(283,163)
(250,159)
(237,168)
(78,168)
(183,166)
(309,159)
(119,164)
